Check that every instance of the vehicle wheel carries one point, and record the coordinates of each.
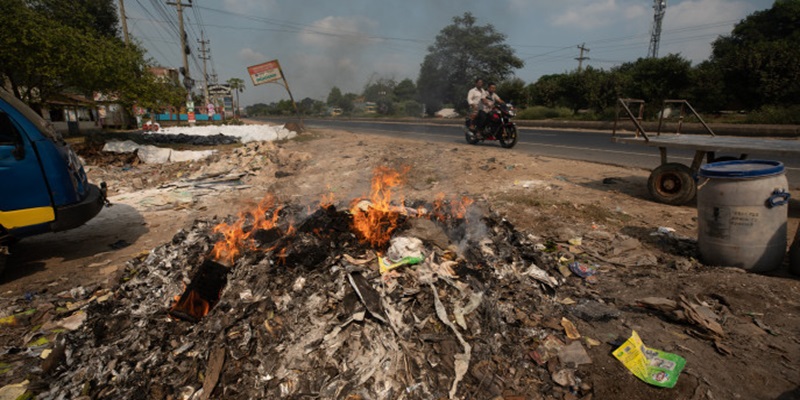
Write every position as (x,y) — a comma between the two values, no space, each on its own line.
(510,138)
(471,137)
(672,183)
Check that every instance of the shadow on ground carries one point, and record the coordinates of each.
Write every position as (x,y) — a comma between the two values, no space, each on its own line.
(115,228)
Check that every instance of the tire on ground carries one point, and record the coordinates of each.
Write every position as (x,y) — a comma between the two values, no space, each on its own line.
(511,138)
(672,183)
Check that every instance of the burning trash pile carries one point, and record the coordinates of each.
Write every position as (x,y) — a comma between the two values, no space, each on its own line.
(384,299)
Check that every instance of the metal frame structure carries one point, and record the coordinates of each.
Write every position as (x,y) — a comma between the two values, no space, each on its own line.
(660,7)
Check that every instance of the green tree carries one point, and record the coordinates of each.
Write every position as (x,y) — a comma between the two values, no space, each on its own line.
(334,97)
(405,90)
(237,85)
(309,106)
(600,88)
(41,58)
(347,102)
(88,16)
(462,52)
(547,91)
(759,60)
(656,79)
(513,91)
(707,91)
(381,90)
(412,108)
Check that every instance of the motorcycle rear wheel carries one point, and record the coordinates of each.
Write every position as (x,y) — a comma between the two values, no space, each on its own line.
(509,139)
(471,137)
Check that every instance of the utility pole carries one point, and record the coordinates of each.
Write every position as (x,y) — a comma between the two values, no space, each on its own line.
(187,80)
(580,59)
(124,21)
(660,7)
(203,51)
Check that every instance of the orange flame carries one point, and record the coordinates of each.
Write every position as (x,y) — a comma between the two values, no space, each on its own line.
(443,209)
(327,200)
(193,305)
(375,223)
(236,238)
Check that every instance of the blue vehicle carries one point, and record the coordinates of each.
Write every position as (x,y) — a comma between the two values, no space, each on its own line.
(44,186)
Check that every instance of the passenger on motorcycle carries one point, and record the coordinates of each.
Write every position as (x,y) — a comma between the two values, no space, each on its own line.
(475,99)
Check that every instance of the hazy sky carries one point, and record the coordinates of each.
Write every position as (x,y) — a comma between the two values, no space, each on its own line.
(348,43)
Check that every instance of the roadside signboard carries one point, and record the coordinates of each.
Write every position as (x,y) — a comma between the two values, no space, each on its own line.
(224,90)
(265,73)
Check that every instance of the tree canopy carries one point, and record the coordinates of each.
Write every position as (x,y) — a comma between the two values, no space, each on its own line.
(462,52)
(759,59)
(48,47)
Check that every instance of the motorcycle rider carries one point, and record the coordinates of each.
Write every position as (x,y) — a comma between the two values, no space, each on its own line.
(487,104)
(476,98)
(491,98)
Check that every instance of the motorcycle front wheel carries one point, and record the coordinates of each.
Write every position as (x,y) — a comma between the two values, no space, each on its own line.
(509,138)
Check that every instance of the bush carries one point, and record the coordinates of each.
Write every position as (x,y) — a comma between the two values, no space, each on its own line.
(412,108)
(541,112)
(775,115)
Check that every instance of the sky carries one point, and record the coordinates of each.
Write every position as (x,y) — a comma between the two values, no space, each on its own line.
(350,43)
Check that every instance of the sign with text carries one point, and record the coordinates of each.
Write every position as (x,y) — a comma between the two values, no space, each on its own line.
(219,89)
(265,73)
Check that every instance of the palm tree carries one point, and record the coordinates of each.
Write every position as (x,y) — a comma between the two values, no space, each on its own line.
(236,85)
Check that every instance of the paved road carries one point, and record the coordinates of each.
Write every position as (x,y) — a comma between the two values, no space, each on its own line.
(580,145)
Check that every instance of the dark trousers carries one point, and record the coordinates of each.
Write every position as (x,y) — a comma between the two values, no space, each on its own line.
(480,120)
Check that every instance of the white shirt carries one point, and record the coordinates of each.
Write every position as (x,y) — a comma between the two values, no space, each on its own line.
(474,97)
(492,97)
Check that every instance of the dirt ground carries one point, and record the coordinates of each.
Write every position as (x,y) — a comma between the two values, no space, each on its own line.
(554,199)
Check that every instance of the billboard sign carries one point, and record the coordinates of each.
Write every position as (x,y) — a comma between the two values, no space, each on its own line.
(219,90)
(265,73)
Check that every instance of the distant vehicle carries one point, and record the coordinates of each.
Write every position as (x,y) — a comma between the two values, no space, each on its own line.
(336,111)
(45,188)
(498,126)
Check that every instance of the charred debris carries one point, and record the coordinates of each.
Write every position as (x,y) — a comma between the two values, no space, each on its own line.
(424,300)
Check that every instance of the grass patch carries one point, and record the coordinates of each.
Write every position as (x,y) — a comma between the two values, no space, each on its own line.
(541,112)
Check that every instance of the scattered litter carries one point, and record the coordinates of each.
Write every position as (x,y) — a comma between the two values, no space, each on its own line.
(573,355)
(570,329)
(682,310)
(652,366)
(547,349)
(74,321)
(765,327)
(664,230)
(533,184)
(594,311)
(583,270)
(14,391)
(591,342)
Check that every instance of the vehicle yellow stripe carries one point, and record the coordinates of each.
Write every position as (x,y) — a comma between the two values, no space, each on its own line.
(26,217)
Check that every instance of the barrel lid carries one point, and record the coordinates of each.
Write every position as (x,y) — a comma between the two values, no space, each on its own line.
(741,169)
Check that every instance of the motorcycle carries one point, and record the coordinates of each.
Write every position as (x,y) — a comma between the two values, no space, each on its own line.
(498,126)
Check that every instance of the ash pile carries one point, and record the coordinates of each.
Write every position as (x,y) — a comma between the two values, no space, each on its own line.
(378,301)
